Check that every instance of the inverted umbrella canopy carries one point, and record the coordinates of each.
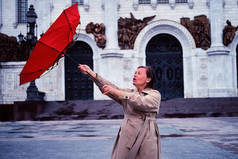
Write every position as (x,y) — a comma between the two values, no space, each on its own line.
(51,45)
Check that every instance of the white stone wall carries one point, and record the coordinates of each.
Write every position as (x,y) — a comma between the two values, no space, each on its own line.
(202,77)
(51,83)
(9,79)
(200,73)
(48,10)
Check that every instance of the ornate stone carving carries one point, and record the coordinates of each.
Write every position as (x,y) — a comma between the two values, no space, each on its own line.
(129,28)
(229,33)
(98,30)
(11,50)
(200,30)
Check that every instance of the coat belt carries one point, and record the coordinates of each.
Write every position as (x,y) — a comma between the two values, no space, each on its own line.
(147,116)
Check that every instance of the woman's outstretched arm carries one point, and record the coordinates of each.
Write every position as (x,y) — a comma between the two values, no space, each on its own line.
(105,86)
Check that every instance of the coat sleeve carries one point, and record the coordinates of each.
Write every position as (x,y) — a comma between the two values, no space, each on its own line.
(100,82)
(148,102)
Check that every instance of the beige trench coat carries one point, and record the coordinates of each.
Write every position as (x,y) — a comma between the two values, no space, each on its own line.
(138,136)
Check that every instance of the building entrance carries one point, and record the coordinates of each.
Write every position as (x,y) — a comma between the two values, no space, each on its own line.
(237,64)
(164,54)
(77,85)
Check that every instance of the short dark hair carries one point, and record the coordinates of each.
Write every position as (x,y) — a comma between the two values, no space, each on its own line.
(150,74)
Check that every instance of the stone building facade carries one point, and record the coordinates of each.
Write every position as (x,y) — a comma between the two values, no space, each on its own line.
(184,42)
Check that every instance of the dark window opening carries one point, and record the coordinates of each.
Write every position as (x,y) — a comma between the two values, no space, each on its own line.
(144,1)
(162,1)
(21,10)
(181,1)
(80,2)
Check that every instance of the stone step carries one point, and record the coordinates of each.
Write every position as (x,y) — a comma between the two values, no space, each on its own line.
(108,109)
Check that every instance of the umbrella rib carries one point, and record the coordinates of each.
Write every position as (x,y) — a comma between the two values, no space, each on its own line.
(52,48)
(48,46)
(34,71)
(68,21)
(42,69)
(46,68)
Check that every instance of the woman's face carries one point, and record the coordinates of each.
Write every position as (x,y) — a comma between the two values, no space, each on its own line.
(140,79)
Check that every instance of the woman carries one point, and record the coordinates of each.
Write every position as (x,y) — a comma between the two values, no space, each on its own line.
(138,136)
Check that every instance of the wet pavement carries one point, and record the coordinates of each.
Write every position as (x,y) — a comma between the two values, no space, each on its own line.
(182,138)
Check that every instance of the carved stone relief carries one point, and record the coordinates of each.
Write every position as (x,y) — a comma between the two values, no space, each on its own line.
(98,30)
(229,33)
(129,28)
(200,30)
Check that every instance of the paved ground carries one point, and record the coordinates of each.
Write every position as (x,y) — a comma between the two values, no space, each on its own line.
(182,138)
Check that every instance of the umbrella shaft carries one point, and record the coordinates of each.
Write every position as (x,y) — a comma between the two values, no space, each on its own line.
(73,60)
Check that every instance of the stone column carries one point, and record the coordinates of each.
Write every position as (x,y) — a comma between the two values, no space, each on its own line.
(110,63)
(110,20)
(153,4)
(220,70)
(135,4)
(216,22)
(86,5)
(190,4)
(0,14)
(172,3)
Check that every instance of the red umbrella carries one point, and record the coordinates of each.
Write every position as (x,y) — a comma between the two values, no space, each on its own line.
(52,45)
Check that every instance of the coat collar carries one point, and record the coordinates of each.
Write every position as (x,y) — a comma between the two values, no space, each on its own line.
(145,91)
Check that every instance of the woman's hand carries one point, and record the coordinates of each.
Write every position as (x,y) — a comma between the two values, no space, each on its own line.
(84,69)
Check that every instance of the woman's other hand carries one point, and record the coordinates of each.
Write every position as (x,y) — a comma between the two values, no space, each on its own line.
(109,89)
(84,68)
